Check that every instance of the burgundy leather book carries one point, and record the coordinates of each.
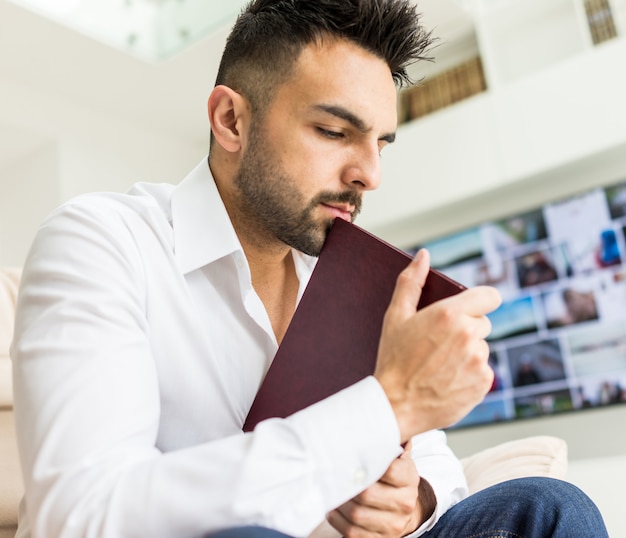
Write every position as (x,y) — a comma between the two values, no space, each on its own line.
(332,340)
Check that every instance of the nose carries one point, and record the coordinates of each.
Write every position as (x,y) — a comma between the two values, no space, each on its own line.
(363,171)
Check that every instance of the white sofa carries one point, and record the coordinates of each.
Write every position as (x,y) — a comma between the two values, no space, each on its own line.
(10,476)
(532,456)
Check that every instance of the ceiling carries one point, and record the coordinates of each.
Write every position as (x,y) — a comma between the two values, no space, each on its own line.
(169,95)
(148,29)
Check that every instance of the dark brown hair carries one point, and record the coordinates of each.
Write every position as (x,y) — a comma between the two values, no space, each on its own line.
(269,35)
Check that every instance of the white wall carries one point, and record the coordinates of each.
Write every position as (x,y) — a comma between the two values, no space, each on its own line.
(603,480)
(89,150)
(540,128)
(30,190)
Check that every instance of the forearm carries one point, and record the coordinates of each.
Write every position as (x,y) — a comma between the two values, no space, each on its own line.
(427,501)
(285,475)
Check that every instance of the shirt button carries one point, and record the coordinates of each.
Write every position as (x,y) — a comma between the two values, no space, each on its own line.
(359,476)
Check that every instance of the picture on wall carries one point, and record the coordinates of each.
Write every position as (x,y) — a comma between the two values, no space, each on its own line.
(558,341)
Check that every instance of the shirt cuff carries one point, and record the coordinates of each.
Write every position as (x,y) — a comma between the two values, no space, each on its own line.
(353,437)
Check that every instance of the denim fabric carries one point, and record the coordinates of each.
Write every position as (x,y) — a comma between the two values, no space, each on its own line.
(247,532)
(522,508)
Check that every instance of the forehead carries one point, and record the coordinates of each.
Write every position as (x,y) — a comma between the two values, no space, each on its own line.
(341,73)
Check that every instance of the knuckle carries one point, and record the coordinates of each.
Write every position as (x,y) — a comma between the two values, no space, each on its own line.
(484,351)
(488,325)
(447,314)
(352,531)
(354,513)
(466,336)
(451,313)
(396,527)
(406,506)
(366,497)
(489,375)
(405,277)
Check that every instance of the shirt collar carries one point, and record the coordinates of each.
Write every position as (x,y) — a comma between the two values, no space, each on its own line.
(203,232)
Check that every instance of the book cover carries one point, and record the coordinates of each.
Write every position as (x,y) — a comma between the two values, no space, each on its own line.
(332,340)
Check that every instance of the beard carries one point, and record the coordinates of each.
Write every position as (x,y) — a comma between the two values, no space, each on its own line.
(274,208)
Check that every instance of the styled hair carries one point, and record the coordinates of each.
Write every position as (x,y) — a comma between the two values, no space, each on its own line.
(269,36)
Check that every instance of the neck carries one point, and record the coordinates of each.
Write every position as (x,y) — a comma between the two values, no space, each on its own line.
(260,246)
(275,281)
(271,263)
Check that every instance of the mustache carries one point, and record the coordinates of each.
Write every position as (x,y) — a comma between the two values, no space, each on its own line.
(352,198)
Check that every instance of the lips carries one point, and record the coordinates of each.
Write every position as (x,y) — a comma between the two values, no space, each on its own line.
(342,211)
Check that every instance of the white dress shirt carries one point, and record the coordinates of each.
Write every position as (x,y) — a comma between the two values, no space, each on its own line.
(139,346)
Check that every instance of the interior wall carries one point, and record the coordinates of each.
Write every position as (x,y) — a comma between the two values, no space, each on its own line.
(30,190)
(89,151)
(569,113)
(600,169)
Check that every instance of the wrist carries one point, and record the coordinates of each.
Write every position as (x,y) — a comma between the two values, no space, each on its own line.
(426,500)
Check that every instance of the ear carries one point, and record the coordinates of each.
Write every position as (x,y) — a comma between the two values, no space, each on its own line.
(229,114)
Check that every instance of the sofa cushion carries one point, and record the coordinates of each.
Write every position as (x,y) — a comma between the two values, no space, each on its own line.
(9,279)
(541,455)
(11,487)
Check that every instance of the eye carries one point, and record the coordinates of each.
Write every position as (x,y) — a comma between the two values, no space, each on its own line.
(332,135)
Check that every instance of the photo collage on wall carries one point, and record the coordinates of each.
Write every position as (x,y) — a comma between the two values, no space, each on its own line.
(558,341)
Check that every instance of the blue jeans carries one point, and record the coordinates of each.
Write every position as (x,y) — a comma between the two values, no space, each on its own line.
(522,508)
(247,532)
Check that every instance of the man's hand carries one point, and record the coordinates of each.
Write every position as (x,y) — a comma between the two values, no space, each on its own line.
(433,363)
(392,507)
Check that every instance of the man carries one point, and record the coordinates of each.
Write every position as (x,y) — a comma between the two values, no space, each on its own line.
(147,321)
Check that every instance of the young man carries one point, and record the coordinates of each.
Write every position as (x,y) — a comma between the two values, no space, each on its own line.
(146,322)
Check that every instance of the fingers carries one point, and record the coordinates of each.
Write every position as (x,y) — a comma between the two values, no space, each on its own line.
(381,510)
(409,286)
(485,328)
(433,363)
(478,327)
(477,301)
(389,508)
(400,473)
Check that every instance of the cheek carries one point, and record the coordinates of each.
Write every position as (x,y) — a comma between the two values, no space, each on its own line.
(314,163)
(319,169)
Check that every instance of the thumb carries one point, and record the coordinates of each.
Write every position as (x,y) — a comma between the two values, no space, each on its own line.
(408,448)
(409,286)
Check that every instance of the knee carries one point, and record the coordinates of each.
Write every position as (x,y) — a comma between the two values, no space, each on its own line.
(550,493)
(530,507)
(542,493)
(559,502)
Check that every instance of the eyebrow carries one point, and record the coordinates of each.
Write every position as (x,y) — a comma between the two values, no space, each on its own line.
(352,119)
